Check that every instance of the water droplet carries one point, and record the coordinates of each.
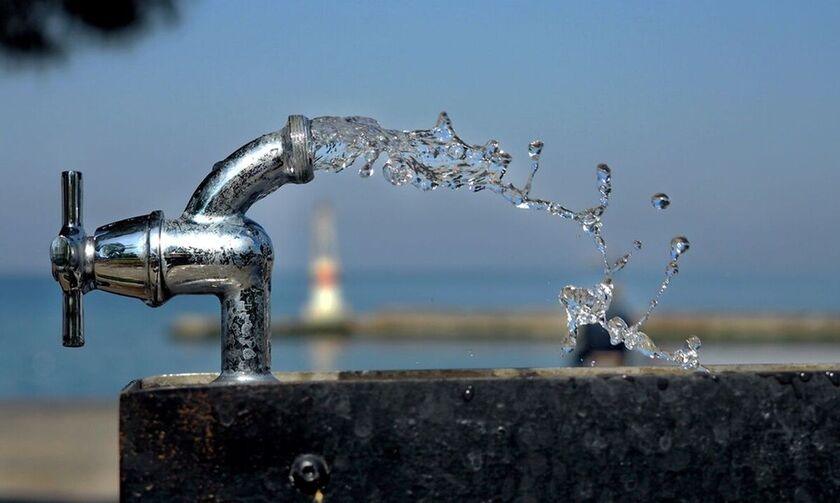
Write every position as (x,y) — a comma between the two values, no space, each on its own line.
(672,269)
(396,175)
(621,262)
(456,151)
(590,222)
(474,155)
(637,244)
(443,128)
(363,427)
(645,345)
(469,393)
(604,173)
(660,201)
(586,306)
(491,148)
(665,442)
(686,358)
(679,245)
(600,243)
(535,149)
(604,184)
(339,163)
(366,170)
(631,338)
(693,343)
(475,460)
(226,413)
(616,327)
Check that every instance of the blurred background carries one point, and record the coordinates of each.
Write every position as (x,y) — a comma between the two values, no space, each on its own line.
(728,107)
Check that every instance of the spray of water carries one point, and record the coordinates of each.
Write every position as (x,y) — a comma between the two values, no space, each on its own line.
(437,157)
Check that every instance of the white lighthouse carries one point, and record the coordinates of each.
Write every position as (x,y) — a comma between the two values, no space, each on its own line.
(326,304)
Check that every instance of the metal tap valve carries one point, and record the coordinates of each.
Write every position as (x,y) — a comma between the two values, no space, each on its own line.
(212,248)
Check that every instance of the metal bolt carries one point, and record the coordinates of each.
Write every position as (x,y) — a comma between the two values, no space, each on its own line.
(309,473)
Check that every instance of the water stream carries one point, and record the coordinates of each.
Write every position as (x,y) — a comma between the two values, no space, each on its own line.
(437,157)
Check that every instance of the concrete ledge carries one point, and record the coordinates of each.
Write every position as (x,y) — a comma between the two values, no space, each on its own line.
(740,433)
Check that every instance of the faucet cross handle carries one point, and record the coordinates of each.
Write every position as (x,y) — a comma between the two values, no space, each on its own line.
(71,256)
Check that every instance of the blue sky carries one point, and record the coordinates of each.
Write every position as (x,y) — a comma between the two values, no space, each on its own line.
(729,107)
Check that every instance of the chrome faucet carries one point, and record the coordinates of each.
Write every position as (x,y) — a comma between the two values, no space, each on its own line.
(212,248)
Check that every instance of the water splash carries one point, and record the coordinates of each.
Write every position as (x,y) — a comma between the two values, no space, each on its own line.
(437,157)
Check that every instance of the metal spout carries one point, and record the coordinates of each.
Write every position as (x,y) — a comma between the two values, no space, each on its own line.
(254,171)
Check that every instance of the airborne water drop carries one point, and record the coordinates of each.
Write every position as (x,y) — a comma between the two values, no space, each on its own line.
(679,245)
(366,170)
(535,149)
(604,173)
(693,343)
(660,201)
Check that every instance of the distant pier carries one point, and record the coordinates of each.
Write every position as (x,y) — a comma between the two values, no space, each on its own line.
(534,325)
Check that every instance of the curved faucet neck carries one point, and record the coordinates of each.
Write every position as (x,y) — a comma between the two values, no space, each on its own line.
(254,171)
